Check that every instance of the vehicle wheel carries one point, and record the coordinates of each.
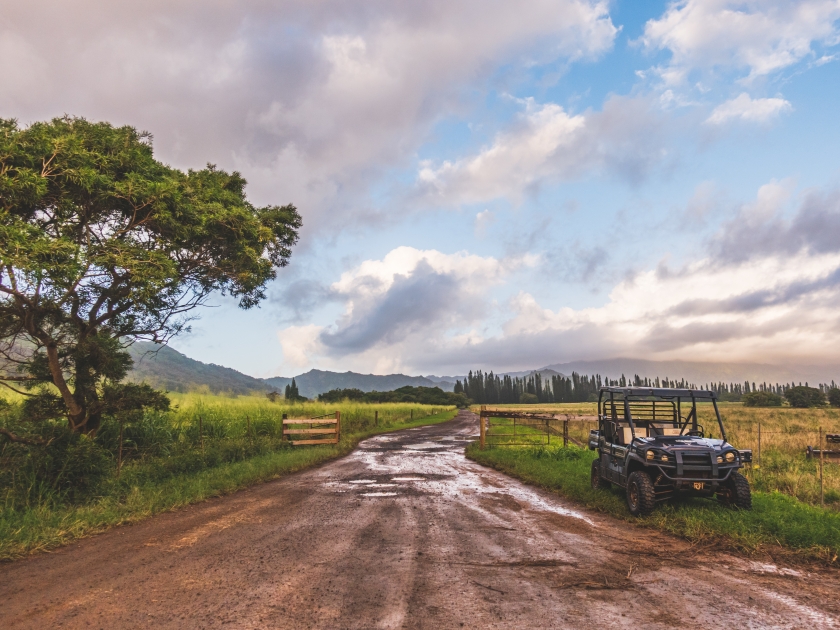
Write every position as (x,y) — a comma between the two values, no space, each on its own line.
(736,493)
(641,497)
(597,481)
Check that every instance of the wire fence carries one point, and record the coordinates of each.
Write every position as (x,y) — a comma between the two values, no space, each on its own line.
(800,461)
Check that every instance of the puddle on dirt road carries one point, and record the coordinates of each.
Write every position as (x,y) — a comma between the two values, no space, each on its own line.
(422,464)
(760,567)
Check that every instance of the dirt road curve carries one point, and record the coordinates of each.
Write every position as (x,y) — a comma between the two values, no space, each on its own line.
(403,533)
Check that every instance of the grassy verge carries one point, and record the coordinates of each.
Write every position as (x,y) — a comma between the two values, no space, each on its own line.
(775,520)
(43,527)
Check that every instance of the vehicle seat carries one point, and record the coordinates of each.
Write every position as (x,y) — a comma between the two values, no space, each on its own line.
(626,434)
(667,429)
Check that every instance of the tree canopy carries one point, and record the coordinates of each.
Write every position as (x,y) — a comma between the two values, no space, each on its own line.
(102,244)
(803,396)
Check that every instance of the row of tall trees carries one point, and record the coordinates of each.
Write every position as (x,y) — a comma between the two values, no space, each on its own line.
(489,388)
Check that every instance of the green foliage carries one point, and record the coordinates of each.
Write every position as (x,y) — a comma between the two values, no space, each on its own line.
(803,396)
(167,468)
(528,399)
(407,394)
(101,244)
(774,519)
(762,399)
(834,397)
(292,393)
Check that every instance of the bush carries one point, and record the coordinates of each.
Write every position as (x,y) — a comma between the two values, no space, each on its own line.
(803,396)
(528,399)
(407,394)
(762,399)
(834,397)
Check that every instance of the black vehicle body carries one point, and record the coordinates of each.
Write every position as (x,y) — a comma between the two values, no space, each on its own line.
(654,432)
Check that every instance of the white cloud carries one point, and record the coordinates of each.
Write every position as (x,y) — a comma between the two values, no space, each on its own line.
(403,300)
(761,36)
(768,289)
(312,101)
(742,107)
(547,144)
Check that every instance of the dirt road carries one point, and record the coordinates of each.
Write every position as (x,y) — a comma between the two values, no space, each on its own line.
(403,533)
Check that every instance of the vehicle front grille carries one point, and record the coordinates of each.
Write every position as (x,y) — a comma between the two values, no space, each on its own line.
(696,459)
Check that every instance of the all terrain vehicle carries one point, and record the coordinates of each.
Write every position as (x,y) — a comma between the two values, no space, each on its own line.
(646,445)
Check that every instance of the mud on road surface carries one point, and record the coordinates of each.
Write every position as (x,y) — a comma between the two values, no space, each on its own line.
(403,533)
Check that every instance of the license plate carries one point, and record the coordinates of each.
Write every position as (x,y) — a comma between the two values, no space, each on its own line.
(698,485)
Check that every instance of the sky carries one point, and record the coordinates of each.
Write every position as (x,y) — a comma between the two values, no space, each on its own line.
(485,184)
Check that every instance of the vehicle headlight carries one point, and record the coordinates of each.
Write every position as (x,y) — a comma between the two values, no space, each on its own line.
(719,459)
(730,456)
(664,458)
(649,455)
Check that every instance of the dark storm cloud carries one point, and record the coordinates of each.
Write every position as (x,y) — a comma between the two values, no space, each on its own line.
(815,229)
(751,301)
(412,303)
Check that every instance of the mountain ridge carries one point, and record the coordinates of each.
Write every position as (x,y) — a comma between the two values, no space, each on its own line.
(166,368)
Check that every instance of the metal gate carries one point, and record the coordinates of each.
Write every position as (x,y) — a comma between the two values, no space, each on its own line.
(500,427)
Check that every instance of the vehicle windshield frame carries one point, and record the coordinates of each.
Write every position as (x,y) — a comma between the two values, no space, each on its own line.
(673,395)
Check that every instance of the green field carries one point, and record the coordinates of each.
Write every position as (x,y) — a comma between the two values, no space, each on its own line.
(785,432)
(205,447)
(786,486)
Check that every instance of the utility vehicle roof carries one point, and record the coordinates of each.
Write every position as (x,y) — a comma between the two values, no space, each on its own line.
(661,392)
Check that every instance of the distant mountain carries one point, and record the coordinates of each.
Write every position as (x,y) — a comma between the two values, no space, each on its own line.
(701,372)
(315,382)
(165,368)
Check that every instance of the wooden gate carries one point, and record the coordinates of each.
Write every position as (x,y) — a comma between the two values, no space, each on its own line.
(321,430)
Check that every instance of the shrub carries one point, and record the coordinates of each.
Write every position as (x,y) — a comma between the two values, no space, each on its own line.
(762,399)
(803,396)
(528,399)
(834,397)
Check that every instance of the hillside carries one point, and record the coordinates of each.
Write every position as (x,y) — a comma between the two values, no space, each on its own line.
(165,368)
(315,382)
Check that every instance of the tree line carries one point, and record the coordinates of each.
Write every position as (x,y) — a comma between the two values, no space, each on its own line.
(487,388)
(407,394)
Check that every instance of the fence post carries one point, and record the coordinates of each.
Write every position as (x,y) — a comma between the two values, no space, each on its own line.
(376,418)
(566,433)
(759,446)
(119,453)
(201,433)
(337,426)
(412,415)
(283,428)
(481,429)
(822,455)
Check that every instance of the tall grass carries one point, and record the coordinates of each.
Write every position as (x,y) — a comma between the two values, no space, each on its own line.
(785,433)
(205,446)
(775,519)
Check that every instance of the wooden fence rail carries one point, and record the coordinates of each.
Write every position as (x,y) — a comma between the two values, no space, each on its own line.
(326,426)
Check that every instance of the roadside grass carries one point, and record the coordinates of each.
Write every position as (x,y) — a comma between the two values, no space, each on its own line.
(785,434)
(775,520)
(233,459)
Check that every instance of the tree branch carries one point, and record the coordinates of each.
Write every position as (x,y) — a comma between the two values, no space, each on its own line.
(22,440)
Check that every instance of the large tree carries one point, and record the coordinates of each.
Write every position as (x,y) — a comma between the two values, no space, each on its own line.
(100,245)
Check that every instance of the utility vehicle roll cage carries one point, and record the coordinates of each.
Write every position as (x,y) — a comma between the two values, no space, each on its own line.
(652,405)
